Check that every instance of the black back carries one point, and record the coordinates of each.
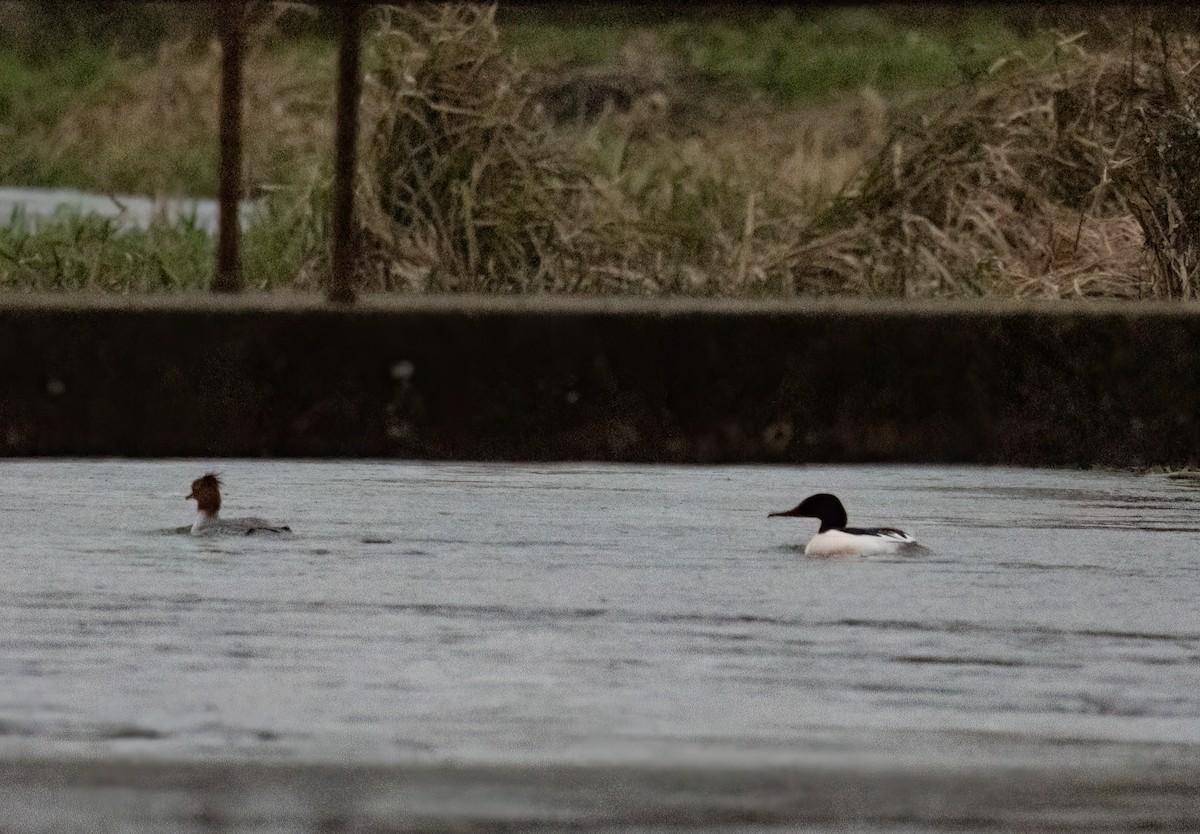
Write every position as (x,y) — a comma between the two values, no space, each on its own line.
(875,531)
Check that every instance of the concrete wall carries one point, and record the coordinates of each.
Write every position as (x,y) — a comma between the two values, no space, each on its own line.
(471,378)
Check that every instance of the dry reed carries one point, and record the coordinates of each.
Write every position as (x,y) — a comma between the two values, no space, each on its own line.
(473,183)
(167,109)
(462,184)
(1071,178)
(1039,182)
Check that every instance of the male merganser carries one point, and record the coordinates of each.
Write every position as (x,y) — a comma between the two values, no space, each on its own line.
(207,493)
(836,539)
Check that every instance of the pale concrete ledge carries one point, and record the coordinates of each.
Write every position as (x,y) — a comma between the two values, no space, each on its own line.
(607,379)
(154,795)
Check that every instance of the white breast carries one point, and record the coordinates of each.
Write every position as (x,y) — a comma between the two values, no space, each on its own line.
(841,543)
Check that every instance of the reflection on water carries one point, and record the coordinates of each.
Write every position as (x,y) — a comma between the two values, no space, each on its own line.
(587,613)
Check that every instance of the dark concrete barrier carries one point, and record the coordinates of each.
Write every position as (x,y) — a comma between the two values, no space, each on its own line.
(620,379)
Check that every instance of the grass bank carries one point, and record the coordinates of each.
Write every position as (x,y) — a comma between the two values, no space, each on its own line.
(768,153)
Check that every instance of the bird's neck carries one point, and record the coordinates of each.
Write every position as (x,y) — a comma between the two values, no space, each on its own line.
(204,518)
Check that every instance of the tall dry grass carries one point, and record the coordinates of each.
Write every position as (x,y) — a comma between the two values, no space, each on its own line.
(164,107)
(1163,183)
(1070,177)
(1075,179)
(1067,178)
(463,184)
(471,182)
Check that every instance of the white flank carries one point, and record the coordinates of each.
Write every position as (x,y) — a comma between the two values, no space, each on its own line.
(841,543)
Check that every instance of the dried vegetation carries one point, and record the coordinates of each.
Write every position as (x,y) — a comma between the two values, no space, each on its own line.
(1071,180)
(481,176)
(1072,177)
(161,106)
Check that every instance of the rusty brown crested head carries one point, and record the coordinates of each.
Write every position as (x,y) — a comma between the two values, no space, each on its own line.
(207,493)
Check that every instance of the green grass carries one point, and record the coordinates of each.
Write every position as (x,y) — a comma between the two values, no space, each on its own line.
(35,93)
(87,252)
(286,245)
(794,58)
(547,44)
(34,98)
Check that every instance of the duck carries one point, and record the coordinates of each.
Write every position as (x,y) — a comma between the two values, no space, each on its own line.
(206,492)
(836,539)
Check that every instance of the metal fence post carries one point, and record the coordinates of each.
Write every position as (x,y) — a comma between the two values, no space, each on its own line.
(231,25)
(349,86)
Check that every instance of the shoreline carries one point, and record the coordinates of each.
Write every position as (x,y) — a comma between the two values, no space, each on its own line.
(151,794)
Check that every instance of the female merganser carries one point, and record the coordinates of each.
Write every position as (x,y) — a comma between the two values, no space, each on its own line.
(207,493)
(836,539)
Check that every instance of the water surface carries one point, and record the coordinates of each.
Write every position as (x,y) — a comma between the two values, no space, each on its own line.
(28,208)
(521,614)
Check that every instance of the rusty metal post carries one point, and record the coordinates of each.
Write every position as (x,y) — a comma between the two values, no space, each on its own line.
(231,25)
(349,86)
